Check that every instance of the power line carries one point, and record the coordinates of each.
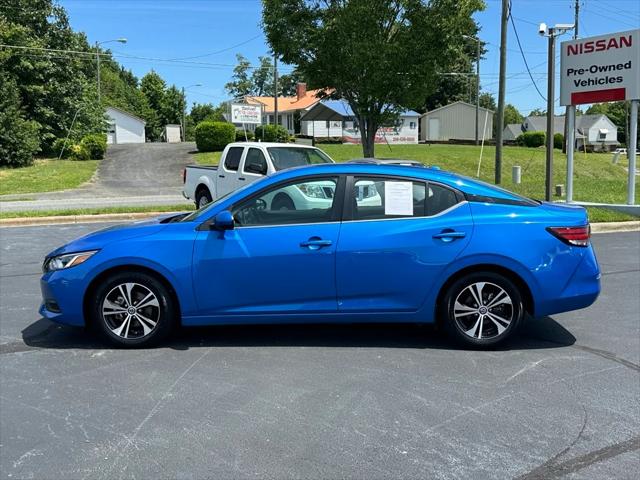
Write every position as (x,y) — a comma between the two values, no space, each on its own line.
(220,51)
(525,59)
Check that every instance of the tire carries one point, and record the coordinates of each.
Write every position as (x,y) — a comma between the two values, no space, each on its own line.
(282,202)
(117,316)
(203,197)
(482,325)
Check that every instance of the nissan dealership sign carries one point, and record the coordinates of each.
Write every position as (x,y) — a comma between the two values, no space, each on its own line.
(605,68)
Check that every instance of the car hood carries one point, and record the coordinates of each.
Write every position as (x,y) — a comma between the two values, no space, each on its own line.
(99,239)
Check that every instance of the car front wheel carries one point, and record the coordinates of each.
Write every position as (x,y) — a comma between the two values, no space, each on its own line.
(133,310)
(483,309)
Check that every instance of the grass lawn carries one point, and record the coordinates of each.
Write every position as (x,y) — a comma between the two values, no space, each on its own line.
(207,158)
(98,211)
(46,175)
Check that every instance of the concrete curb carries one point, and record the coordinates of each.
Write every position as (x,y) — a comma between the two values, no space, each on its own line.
(604,227)
(609,227)
(73,219)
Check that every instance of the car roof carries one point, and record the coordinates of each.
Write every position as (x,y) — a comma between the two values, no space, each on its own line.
(269,144)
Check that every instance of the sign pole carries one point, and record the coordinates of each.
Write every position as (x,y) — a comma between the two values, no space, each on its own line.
(631,153)
(570,142)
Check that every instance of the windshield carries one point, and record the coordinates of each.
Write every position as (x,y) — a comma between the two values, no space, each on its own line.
(289,157)
(196,214)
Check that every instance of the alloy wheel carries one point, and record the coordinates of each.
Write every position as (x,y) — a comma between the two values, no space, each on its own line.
(483,310)
(131,310)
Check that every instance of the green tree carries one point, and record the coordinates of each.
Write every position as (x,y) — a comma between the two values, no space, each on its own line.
(18,137)
(381,56)
(262,78)
(538,112)
(488,101)
(240,84)
(173,106)
(53,89)
(511,115)
(206,111)
(154,88)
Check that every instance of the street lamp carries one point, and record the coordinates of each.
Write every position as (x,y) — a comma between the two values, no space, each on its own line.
(119,40)
(477,40)
(184,111)
(551,33)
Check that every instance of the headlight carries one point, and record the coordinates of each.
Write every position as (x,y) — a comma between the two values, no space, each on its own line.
(67,260)
(313,190)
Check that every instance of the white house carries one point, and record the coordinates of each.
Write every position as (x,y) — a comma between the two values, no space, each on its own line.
(124,127)
(335,119)
(593,132)
(511,132)
(456,121)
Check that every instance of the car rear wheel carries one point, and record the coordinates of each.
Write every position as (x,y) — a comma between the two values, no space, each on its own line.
(203,197)
(133,310)
(482,309)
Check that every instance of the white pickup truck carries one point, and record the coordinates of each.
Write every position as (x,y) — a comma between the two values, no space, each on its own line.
(242,163)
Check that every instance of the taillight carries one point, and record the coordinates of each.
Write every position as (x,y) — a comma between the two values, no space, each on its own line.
(577,236)
(184,175)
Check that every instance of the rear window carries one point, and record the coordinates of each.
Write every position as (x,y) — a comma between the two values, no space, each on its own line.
(290,157)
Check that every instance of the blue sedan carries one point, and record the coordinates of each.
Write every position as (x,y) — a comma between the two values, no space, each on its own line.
(355,242)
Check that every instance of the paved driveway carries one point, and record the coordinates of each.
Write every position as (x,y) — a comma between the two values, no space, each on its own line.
(136,174)
(320,401)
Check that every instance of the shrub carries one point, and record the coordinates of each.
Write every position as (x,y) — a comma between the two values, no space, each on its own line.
(272,133)
(95,144)
(558,141)
(531,139)
(58,145)
(240,135)
(214,136)
(79,152)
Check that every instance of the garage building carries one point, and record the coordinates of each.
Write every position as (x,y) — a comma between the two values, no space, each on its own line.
(455,121)
(124,127)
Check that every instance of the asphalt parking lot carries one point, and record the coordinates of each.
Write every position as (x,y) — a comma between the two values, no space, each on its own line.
(385,401)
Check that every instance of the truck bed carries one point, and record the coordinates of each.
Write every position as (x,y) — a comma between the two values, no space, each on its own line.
(205,167)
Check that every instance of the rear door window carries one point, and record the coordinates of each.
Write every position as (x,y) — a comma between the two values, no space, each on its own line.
(378,198)
(439,199)
(232,159)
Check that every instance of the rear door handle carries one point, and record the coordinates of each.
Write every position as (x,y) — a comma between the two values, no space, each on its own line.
(315,243)
(449,235)
(241,178)
(220,176)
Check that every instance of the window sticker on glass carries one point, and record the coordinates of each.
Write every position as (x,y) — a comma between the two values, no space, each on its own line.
(398,198)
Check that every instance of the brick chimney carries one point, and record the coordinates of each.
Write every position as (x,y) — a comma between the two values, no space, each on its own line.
(301,90)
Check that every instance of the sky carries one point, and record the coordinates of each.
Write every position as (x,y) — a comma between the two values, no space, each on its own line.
(192,42)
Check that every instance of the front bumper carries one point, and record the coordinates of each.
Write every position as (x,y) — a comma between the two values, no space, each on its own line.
(62,297)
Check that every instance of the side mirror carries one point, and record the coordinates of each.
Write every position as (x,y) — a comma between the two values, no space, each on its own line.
(224,221)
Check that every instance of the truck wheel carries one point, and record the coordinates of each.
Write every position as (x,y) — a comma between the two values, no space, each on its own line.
(482,309)
(282,202)
(203,197)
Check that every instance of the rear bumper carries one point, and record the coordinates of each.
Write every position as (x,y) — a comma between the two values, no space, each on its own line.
(580,291)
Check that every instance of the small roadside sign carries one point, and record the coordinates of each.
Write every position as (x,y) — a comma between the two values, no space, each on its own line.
(243,113)
(605,68)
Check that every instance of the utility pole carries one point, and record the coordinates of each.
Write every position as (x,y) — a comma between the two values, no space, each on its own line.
(275,89)
(569,107)
(501,89)
(551,73)
(98,61)
(184,117)
(478,87)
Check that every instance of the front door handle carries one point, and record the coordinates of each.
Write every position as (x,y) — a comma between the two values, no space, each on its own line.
(449,235)
(315,243)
